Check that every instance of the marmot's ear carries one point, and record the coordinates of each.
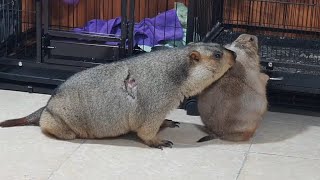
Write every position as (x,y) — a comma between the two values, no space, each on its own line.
(195,56)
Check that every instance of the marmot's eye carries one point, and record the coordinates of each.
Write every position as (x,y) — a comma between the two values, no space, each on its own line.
(217,55)
(251,39)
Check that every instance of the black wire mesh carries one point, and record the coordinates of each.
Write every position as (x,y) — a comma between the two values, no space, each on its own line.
(288,30)
(17,32)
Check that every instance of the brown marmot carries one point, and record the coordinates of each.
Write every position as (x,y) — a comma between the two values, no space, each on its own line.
(232,107)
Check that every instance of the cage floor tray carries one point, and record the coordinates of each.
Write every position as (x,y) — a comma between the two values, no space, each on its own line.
(34,75)
(37,72)
(30,79)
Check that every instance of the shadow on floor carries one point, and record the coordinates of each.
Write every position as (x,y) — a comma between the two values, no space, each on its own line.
(187,135)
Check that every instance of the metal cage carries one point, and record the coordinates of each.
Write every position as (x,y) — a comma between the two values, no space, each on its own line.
(43,42)
(17,35)
(288,32)
(289,41)
(99,31)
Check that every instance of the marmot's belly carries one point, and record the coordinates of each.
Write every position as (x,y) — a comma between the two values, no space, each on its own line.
(104,128)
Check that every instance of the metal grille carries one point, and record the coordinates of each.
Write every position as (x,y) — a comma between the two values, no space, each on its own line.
(288,31)
(294,19)
(17,29)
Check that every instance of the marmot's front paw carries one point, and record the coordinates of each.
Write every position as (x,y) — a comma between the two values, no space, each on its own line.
(169,123)
(161,144)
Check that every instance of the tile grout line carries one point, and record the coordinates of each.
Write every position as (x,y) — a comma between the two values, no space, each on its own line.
(66,159)
(285,156)
(244,161)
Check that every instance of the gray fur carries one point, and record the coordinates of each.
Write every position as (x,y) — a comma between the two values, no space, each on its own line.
(100,102)
(35,117)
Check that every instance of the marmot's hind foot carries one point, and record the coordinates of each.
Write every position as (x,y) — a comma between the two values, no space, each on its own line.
(161,144)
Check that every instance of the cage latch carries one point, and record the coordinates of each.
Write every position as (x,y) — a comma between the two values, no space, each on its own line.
(30,89)
(276,78)
(50,47)
(270,67)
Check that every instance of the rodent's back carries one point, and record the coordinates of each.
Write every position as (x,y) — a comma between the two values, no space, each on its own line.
(158,79)
(166,63)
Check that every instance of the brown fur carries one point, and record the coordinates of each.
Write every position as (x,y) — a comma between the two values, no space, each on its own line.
(14,122)
(232,108)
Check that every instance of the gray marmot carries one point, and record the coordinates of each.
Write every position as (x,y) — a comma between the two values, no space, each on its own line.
(134,95)
(232,107)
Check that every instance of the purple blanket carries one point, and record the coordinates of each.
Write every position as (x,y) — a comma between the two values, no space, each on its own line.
(150,31)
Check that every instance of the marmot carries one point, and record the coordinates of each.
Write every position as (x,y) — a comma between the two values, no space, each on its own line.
(134,95)
(232,107)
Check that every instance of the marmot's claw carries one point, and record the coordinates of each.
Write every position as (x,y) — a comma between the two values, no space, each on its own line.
(164,143)
(170,123)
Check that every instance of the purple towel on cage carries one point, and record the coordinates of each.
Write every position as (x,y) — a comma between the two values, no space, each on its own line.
(150,31)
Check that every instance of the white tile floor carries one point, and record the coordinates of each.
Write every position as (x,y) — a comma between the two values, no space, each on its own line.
(286,146)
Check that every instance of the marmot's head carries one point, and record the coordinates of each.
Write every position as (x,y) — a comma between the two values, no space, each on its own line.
(208,63)
(212,56)
(247,48)
(248,40)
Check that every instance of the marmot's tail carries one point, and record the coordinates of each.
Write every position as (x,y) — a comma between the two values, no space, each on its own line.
(32,119)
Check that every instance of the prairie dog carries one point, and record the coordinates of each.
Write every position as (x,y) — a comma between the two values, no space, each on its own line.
(134,95)
(232,108)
